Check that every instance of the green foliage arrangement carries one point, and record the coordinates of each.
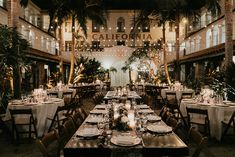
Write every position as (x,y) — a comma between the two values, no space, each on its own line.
(90,69)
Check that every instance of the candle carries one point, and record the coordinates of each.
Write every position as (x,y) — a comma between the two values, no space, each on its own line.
(131,117)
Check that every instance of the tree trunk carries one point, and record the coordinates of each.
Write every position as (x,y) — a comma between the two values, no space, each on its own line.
(164,54)
(130,75)
(228,33)
(17,82)
(177,48)
(72,55)
(60,53)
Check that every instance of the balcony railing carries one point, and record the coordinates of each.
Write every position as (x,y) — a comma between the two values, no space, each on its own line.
(38,38)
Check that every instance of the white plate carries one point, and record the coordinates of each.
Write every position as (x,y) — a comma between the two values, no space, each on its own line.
(94,119)
(142,106)
(100,106)
(226,101)
(88,132)
(30,104)
(146,111)
(125,140)
(99,111)
(159,129)
(152,118)
(231,103)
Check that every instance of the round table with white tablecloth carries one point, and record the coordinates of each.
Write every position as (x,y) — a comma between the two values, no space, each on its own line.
(216,113)
(41,111)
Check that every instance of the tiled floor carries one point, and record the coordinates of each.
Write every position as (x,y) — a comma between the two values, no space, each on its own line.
(7,149)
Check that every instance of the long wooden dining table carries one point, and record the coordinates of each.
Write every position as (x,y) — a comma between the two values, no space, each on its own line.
(103,143)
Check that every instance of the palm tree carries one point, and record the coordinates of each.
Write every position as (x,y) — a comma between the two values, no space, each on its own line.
(228,5)
(172,10)
(161,17)
(80,11)
(13,49)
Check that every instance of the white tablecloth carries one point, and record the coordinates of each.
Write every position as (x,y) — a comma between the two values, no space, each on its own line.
(40,111)
(216,115)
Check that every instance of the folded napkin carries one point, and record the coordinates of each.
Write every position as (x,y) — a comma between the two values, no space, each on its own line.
(88,132)
(125,140)
(95,111)
(153,118)
(159,128)
(94,119)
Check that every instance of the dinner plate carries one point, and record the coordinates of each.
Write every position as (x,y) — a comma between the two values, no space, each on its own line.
(226,101)
(100,106)
(30,104)
(88,132)
(125,140)
(152,118)
(15,102)
(159,129)
(47,102)
(146,111)
(142,106)
(231,104)
(99,111)
(187,99)
(94,119)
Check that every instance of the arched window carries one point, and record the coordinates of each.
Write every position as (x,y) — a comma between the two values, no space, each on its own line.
(208,38)
(223,32)
(215,35)
(121,24)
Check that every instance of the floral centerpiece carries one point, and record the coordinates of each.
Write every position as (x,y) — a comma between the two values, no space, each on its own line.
(121,123)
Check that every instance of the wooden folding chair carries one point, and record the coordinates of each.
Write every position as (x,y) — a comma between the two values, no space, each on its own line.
(61,115)
(229,124)
(22,118)
(172,104)
(49,144)
(201,119)
(201,142)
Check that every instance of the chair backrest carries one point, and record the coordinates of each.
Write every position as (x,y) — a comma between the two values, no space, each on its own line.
(201,142)
(70,128)
(171,121)
(197,111)
(49,144)
(186,95)
(53,94)
(25,114)
(83,113)
(171,97)
(77,119)
(164,113)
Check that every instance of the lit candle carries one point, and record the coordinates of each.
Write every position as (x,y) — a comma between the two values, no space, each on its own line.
(131,117)
(128,106)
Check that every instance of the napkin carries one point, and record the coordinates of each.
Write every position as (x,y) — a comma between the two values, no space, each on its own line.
(88,132)
(125,140)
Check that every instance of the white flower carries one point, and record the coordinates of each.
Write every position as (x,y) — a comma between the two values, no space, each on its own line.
(124,119)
